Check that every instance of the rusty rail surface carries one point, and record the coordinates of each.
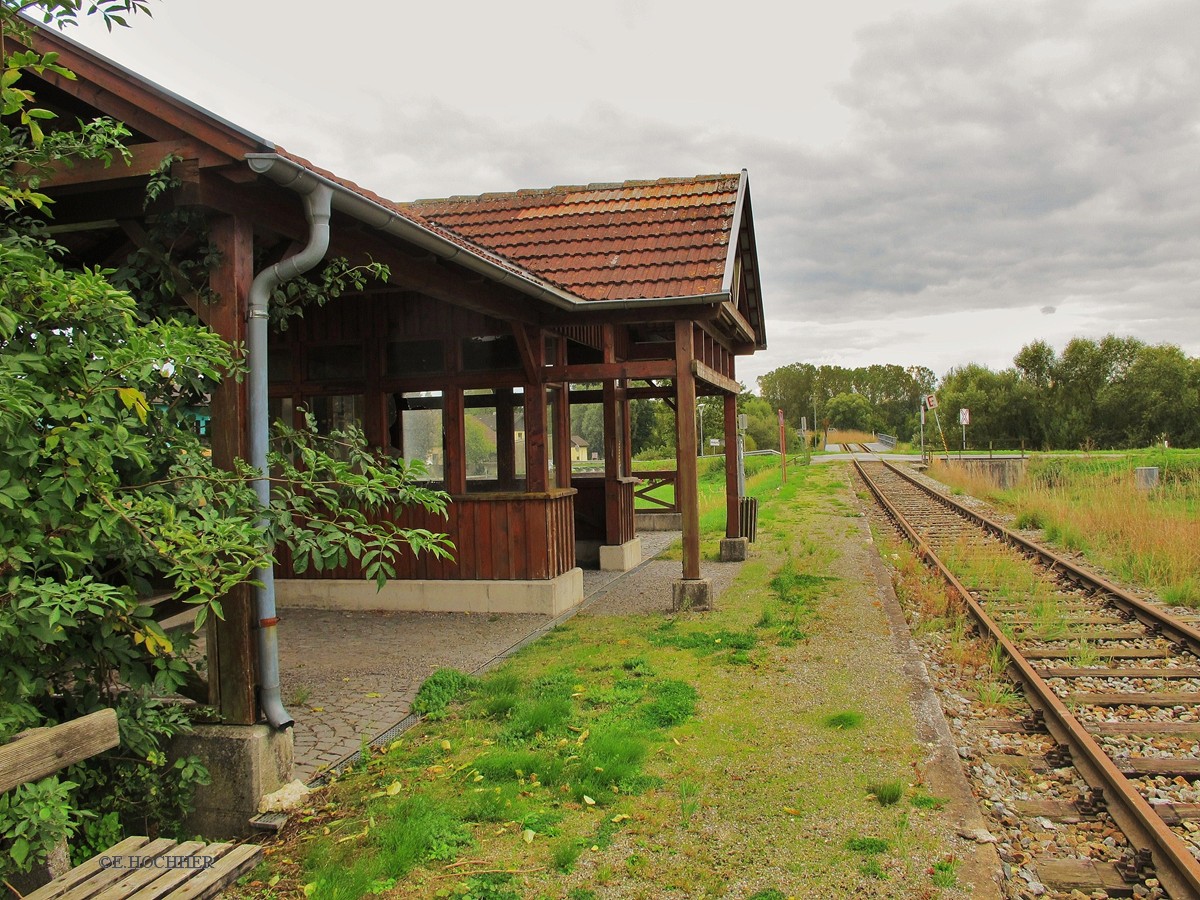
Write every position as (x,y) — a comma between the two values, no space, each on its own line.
(1175,867)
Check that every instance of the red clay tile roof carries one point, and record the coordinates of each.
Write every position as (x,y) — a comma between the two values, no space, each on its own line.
(407,212)
(639,239)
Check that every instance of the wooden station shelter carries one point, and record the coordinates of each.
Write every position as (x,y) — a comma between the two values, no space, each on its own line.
(501,312)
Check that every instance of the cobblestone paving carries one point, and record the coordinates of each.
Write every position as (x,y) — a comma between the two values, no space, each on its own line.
(349,676)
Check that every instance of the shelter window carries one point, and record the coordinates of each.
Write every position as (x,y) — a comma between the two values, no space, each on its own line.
(482,439)
(338,412)
(417,430)
(281,409)
(279,364)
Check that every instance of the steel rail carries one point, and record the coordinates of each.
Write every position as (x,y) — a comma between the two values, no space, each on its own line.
(1175,867)
(1148,614)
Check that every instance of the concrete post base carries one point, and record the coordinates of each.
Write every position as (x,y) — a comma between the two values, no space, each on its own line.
(734,549)
(246,763)
(550,597)
(691,594)
(620,557)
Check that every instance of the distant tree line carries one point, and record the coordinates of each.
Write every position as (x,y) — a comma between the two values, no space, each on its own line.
(1113,393)
(870,398)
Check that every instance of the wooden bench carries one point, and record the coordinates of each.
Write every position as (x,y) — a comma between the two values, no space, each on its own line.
(137,867)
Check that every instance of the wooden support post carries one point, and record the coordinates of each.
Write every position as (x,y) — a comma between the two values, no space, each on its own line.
(686,487)
(536,473)
(506,459)
(232,662)
(455,410)
(612,467)
(562,430)
(733,518)
(626,429)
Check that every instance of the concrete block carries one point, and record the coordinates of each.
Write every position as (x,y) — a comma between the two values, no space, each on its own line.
(1002,471)
(658,521)
(621,557)
(246,763)
(1146,477)
(734,549)
(691,594)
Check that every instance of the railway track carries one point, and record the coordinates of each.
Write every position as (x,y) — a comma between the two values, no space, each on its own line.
(1112,684)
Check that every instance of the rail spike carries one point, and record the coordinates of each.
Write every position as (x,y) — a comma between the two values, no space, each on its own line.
(1059,756)
(1136,866)
(1091,802)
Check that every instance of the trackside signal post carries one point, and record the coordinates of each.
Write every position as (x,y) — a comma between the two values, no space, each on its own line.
(928,401)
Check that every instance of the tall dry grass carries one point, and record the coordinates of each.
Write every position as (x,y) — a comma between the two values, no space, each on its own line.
(974,482)
(849,436)
(1149,538)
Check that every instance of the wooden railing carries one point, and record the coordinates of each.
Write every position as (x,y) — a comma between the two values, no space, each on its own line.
(650,482)
(603,509)
(505,536)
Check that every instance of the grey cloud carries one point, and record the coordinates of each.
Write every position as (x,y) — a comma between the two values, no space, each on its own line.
(1003,156)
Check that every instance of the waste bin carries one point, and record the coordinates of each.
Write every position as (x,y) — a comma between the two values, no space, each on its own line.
(749,517)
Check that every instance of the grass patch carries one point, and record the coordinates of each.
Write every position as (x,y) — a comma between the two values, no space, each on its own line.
(689,800)
(867,845)
(703,643)
(945,873)
(439,690)
(886,793)
(922,800)
(593,761)
(842,720)
(996,695)
(673,704)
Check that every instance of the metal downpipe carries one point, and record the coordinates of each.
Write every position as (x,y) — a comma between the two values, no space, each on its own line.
(317,209)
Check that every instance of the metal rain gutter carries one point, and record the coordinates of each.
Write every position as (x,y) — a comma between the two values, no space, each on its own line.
(317,207)
(286,172)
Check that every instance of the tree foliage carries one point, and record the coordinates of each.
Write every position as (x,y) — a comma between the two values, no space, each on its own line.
(108,497)
(805,391)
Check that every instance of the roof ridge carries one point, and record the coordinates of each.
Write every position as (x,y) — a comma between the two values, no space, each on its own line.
(568,188)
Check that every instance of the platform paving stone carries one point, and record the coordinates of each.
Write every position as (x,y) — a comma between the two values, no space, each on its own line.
(347,677)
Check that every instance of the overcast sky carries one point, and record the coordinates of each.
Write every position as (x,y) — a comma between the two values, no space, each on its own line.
(934,182)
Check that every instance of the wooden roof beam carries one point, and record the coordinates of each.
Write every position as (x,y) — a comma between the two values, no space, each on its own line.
(715,379)
(639,369)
